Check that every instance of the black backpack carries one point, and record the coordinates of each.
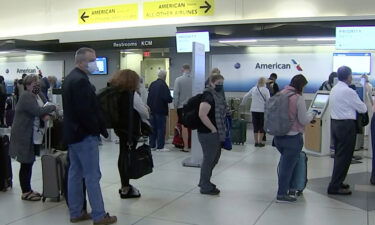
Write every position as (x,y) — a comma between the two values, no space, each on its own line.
(190,112)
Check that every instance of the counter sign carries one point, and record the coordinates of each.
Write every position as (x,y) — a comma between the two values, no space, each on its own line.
(108,14)
(176,8)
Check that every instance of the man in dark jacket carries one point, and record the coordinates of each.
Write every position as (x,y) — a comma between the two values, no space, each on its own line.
(158,98)
(82,128)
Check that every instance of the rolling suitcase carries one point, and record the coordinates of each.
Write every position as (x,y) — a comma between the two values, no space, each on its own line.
(53,173)
(299,177)
(239,129)
(6,174)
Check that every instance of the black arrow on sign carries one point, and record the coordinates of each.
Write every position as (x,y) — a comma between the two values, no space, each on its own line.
(207,6)
(83,17)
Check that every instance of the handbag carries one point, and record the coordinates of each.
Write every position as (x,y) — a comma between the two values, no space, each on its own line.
(227,144)
(141,162)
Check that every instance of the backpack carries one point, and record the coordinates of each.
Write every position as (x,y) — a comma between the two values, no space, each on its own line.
(277,121)
(109,103)
(190,112)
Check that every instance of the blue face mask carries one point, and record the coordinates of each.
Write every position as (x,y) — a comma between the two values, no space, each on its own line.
(92,67)
(219,87)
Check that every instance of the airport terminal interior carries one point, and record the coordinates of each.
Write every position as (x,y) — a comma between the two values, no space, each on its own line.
(245,40)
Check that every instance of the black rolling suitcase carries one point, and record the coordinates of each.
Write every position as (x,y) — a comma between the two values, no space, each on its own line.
(6,174)
(53,172)
(239,129)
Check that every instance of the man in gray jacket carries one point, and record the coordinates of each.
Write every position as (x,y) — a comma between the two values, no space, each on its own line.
(183,86)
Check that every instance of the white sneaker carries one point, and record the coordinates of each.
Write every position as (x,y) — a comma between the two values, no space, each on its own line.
(163,150)
(154,149)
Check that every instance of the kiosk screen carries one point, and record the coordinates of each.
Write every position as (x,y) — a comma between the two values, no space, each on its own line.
(320,101)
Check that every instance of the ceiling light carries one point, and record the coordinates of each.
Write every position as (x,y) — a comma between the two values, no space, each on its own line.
(317,39)
(239,41)
(4,52)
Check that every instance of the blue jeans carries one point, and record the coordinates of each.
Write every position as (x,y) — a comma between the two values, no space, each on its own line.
(290,148)
(373,145)
(157,138)
(84,163)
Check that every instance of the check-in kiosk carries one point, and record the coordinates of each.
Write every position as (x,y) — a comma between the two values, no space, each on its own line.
(318,133)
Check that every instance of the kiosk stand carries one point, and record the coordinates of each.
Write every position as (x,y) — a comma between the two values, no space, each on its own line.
(318,134)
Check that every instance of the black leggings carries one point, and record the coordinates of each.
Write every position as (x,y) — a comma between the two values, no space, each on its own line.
(25,176)
(123,161)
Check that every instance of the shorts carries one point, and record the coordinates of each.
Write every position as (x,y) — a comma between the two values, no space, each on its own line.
(179,115)
(258,122)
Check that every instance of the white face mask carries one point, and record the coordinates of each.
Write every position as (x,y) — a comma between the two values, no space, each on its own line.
(92,67)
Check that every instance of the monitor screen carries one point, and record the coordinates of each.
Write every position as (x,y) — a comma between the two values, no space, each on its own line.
(360,63)
(320,101)
(101,63)
(185,41)
(359,38)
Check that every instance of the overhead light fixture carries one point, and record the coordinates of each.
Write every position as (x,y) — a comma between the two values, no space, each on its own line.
(127,52)
(317,39)
(239,41)
(4,52)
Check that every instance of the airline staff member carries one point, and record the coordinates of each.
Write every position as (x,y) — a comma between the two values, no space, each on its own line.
(345,103)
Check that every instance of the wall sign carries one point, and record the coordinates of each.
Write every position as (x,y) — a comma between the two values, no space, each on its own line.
(177,8)
(107,14)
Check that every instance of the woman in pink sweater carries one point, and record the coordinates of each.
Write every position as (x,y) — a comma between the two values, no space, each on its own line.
(291,144)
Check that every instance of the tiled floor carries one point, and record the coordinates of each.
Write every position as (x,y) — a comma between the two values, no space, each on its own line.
(246,177)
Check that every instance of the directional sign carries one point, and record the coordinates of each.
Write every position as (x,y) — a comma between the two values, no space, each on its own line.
(107,14)
(177,8)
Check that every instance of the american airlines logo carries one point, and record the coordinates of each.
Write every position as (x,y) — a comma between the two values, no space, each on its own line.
(278,66)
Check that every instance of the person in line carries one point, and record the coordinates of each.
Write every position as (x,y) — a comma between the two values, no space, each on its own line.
(291,144)
(182,92)
(3,98)
(44,85)
(211,132)
(272,86)
(127,82)
(372,179)
(19,88)
(142,90)
(82,126)
(24,138)
(345,103)
(328,84)
(158,98)
(260,96)
(368,101)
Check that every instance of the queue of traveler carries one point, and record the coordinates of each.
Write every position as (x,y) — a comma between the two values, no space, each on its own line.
(83,125)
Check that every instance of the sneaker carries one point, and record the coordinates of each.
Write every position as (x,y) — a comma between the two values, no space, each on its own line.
(163,150)
(340,191)
(285,199)
(256,144)
(83,217)
(153,149)
(261,145)
(214,191)
(107,219)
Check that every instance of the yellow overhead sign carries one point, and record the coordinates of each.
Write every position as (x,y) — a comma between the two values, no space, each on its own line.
(107,14)
(177,8)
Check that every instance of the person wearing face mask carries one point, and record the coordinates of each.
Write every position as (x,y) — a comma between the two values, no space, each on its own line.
(26,133)
(211,132)
(82,127)
(344,103)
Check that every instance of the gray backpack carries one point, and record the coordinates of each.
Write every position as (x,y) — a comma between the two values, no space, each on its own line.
(277,121)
